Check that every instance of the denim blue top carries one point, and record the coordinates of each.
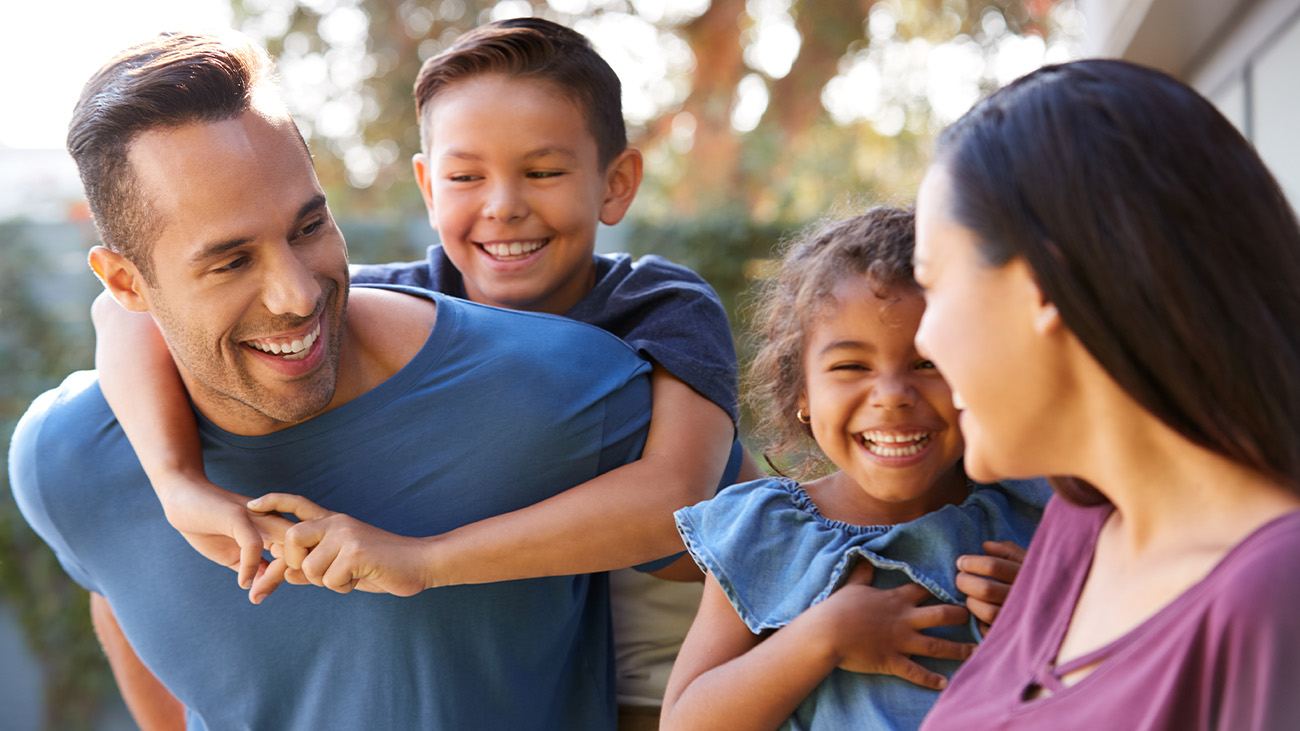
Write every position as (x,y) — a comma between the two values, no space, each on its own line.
(775,555)
(498,410)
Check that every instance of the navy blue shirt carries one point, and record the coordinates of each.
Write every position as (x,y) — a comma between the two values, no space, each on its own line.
(665,311)
(498,410)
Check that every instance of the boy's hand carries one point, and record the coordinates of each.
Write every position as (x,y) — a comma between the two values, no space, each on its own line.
(217,525)
(338,552)
(985,580)
(875,630)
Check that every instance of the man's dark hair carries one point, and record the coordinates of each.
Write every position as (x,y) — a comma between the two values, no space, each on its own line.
(532,48)
(169,81)
(1161,238)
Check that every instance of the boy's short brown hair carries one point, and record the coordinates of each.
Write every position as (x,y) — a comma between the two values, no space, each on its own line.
(536,49)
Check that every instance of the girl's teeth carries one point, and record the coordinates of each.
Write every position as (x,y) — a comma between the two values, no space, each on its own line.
(883,451)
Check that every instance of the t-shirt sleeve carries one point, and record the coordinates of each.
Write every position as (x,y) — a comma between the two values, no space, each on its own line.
(679,323)
(26,472)
(1257,622)
(410,273)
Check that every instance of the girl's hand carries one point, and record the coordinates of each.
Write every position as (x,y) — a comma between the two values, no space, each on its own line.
(217,525)
(876,630)
(338,552)
(985,580)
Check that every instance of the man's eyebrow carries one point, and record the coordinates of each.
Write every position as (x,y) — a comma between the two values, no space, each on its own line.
(217,248)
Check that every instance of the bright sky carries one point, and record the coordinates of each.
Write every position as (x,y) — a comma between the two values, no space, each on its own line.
(48,49)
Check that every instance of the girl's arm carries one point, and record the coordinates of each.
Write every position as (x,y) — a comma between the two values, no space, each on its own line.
(724,680)
(140,383)
(621,518)
(151,704)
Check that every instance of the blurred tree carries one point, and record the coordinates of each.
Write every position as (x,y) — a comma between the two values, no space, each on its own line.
(37,349)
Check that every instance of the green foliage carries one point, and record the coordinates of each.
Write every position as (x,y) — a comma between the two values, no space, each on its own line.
(37,350)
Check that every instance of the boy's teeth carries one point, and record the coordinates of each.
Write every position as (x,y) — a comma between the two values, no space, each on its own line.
(290,350)
(513,248)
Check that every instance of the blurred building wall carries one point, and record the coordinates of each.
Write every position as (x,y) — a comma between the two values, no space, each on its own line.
(1244,55)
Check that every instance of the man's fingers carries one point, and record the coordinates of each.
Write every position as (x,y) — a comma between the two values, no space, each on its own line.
(282,502)
(986,590)
(267,580)
(913,673)
(937,615)
(1002,569)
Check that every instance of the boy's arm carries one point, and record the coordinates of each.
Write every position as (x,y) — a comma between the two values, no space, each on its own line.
(140,383)
(150,703)
(618,519)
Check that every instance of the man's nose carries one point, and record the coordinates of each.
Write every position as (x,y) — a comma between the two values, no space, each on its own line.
(290,286)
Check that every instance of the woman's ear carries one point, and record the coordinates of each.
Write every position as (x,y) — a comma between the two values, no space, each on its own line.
(121,279)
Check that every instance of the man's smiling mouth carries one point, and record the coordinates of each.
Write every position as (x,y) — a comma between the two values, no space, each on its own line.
(287,348)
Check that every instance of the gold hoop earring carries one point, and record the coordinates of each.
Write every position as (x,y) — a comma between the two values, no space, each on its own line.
(802,417)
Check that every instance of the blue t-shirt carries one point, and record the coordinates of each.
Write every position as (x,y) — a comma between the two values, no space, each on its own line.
(775,555)
(497,411)
(663,310)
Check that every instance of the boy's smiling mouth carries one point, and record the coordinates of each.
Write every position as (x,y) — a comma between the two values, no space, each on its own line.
(512,250)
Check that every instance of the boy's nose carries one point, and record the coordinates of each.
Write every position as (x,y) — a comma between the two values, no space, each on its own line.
(504,203)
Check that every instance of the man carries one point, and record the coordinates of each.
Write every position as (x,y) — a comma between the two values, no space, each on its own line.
(411,411)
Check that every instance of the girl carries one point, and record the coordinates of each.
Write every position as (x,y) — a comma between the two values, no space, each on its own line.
(817,594)
(1111,278)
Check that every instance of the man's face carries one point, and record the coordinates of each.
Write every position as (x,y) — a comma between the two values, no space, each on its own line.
(250,271)
(514,186)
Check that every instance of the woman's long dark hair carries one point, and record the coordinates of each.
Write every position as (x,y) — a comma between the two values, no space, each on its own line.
(1157,232)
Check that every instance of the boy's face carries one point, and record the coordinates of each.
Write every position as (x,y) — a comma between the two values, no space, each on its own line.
(514,187)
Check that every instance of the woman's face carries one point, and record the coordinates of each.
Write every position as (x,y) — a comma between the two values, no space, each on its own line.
(990,333)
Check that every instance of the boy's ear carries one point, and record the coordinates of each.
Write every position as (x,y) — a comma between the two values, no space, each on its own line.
(420,164)
(622,180)
(120,277)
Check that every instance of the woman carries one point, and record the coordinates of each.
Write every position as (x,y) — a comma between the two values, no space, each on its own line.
(1113,292)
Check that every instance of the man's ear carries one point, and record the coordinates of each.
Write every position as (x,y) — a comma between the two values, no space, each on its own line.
(622,180)
(423,179)
(120,277)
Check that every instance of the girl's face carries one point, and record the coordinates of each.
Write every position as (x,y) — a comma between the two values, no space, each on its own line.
(987,327)
(880,411)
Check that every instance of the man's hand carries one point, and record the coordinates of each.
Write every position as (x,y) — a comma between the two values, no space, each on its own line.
(876,630)
(338,552)
(985,580)
(217,525)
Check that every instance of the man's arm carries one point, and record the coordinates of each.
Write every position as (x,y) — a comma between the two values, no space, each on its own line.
(152,705)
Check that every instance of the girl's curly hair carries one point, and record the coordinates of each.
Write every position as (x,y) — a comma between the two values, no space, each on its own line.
(877,244)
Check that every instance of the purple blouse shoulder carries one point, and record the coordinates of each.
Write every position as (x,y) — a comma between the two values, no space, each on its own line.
(1224,654)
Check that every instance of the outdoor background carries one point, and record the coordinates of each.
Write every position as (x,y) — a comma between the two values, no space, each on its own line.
(757,117)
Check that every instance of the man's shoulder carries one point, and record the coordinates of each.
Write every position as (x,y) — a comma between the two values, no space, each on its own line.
(65,409)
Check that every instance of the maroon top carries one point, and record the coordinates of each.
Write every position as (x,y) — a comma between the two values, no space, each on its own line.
(1225,654)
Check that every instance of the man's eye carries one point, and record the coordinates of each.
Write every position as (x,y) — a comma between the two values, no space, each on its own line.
(311,228)
(233,264)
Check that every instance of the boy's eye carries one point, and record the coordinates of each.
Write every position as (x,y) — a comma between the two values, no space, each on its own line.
(463,178)
(538,174)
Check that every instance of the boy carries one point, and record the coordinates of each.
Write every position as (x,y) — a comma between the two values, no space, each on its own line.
(524,151)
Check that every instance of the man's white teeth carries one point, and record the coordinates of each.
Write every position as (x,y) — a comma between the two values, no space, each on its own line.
(514,248)
(889,444)
(289,350)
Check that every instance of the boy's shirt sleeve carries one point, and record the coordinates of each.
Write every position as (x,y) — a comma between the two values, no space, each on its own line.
(670,316)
